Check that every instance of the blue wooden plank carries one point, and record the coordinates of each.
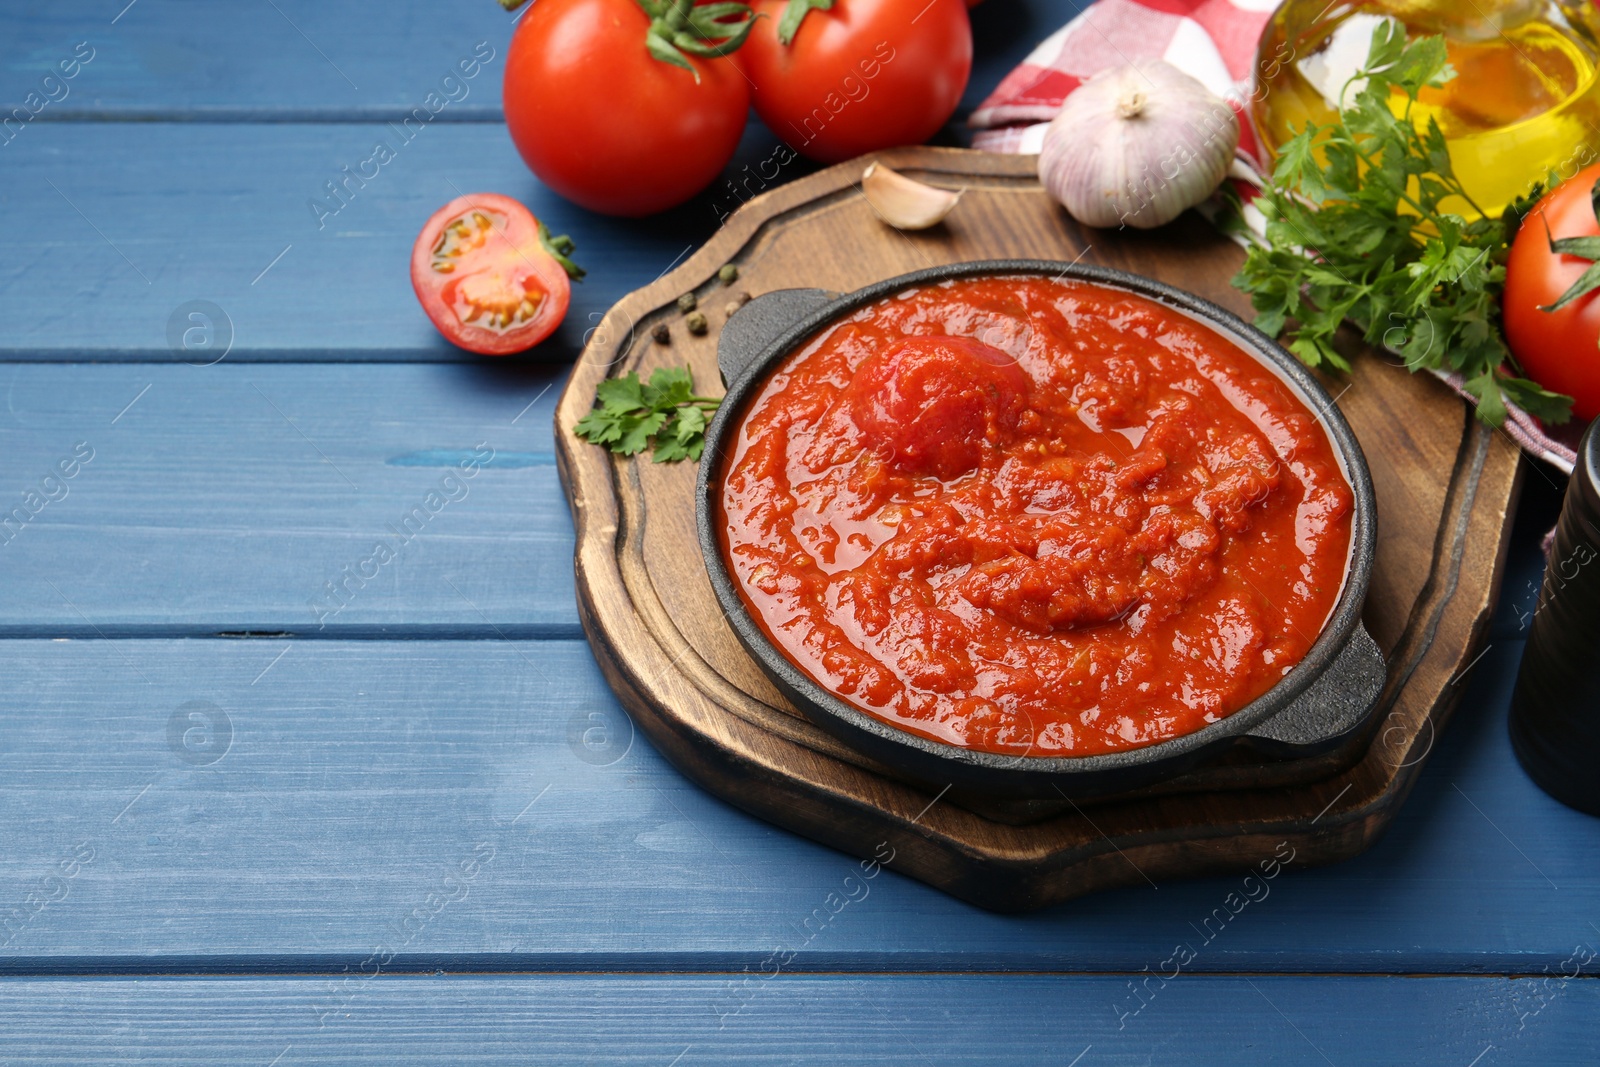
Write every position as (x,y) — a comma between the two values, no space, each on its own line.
(356,785)
(320,499)
(243,216)
(295,60)
(223,213)
(247,463)
(686,1021)
(291,58)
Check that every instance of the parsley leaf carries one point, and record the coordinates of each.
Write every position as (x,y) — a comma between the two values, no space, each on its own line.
(669,387)
(662,414)
(620,395)
(1363,226)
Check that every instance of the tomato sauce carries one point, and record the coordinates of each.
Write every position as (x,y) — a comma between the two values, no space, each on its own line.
(1034,517)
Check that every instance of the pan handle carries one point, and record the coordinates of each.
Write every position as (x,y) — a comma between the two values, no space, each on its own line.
(748,332)
(1337,705)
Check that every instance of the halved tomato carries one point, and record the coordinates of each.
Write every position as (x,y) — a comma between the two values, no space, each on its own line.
(490,276)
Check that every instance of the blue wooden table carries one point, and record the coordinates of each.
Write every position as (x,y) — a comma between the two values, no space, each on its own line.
(241,830)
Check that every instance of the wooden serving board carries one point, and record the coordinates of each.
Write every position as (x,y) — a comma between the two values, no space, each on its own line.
(1445,489)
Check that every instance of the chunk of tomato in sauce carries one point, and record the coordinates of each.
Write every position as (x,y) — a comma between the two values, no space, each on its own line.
(929,405)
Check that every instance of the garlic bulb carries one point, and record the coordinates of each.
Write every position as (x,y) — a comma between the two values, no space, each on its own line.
(1137,145)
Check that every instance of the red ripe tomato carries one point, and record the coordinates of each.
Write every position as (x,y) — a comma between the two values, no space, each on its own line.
(1558,349)
(864,75)
(490,277)
(933,402)
(607,124)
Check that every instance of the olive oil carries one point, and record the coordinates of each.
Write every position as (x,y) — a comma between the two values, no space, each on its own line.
(1525,99)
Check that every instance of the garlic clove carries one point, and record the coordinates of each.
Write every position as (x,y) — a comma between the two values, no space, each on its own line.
(903,203)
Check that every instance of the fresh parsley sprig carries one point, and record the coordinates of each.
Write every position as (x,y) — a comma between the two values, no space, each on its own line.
(663,414)
(1356,231)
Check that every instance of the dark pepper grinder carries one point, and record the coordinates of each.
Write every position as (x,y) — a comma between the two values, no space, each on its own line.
(1555,712)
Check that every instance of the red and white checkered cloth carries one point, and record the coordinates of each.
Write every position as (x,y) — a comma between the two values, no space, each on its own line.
(1213,41)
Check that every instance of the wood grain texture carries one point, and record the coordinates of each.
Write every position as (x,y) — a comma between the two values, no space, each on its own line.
(190,60)
(224,499)
(687,1020)
(274,525)
(1444,485)
(202,211)
(353,777)
(147,216)
(361,771)
(300,60)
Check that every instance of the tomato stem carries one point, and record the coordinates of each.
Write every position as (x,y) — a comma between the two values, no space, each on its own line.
(679,26)
(560,249)
(793,15)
